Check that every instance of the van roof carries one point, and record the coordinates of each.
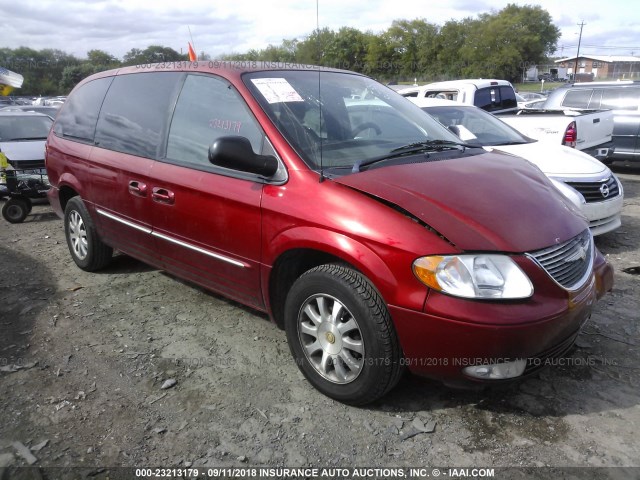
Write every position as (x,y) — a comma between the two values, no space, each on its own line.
(225,68)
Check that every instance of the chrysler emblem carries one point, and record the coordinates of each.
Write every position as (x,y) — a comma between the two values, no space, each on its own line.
(579,254)
(604,190)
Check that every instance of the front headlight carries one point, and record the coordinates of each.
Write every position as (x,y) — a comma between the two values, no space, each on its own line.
(491,277)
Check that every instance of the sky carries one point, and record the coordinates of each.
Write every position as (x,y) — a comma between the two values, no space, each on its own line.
(234,26)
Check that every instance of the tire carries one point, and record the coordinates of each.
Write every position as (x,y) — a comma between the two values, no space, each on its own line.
(15,210)
(351,351)
(85,246)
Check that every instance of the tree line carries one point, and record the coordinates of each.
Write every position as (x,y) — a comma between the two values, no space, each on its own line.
(492,45)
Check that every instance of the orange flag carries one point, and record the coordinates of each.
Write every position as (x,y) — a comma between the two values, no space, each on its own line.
(192,54)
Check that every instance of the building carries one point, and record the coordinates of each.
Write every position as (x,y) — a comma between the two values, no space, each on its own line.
(612,67)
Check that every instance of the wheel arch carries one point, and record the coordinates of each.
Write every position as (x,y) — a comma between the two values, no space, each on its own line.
(68,187)
(66,193)
(307,248)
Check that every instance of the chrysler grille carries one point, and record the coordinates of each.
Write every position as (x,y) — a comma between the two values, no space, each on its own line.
(568,263)
(597,191)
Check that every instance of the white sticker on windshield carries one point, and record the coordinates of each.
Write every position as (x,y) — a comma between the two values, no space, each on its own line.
(276,90)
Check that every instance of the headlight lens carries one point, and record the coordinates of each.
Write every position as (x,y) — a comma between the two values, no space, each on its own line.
(492,277)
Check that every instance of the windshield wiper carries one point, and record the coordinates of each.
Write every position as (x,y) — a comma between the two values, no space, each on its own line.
(430,145)
(410,149)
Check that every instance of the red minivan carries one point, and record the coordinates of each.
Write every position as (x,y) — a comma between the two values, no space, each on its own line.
(364,228)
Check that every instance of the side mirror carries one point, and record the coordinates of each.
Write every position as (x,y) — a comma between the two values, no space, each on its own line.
(236,153)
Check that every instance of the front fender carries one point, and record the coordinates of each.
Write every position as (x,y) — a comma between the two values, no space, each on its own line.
(391,275)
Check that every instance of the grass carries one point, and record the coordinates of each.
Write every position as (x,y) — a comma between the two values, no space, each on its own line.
(536,86)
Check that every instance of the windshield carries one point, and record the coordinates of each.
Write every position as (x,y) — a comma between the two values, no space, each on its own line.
(341,119)
(24,127)
(477,126)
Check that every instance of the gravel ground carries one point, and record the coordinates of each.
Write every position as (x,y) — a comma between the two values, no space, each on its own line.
(84,358)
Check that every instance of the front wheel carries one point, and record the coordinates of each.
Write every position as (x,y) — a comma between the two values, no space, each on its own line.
(86,247)
(341,335)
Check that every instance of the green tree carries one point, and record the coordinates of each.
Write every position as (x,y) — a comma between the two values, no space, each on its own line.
(452,37)
(413,43)
(379,59)
(316,48)
(347,49)
(73,74)
(497,44)
(152,54)
(41,69)
(102,58)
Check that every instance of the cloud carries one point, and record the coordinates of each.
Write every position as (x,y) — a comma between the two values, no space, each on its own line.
(117,26)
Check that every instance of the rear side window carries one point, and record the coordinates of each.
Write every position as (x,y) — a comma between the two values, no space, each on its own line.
(208,108)
(578,98)
(135,112)
(620,98)
(508,97)
(495,98)
(444,94)
(410,94)
(77,118)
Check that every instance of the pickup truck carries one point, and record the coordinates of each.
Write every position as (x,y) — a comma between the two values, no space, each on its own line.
(589,132)
(621,97)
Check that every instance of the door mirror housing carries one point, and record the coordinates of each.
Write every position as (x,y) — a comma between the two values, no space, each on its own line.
(236,153)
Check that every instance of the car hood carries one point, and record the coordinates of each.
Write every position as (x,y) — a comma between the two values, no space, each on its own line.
(25,150)
(487,202)
(555,159)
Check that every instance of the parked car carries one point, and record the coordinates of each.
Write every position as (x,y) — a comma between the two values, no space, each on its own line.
(548,77)
(622,97)
(527,101)
(531,96)
(364,227)
(589,184)
(22,138)
(588,132)
(538,105)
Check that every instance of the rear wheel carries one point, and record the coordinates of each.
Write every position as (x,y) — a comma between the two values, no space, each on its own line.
(341,335)
(86,247)
(15,210)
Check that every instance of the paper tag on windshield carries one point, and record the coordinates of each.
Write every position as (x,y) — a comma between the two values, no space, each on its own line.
(276,90)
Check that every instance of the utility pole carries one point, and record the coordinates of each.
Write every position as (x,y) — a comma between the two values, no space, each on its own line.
(575,71)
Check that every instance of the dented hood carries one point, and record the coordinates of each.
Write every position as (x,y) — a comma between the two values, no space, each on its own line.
(486,202)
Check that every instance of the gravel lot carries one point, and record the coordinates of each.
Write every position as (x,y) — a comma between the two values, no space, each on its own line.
(83,359)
